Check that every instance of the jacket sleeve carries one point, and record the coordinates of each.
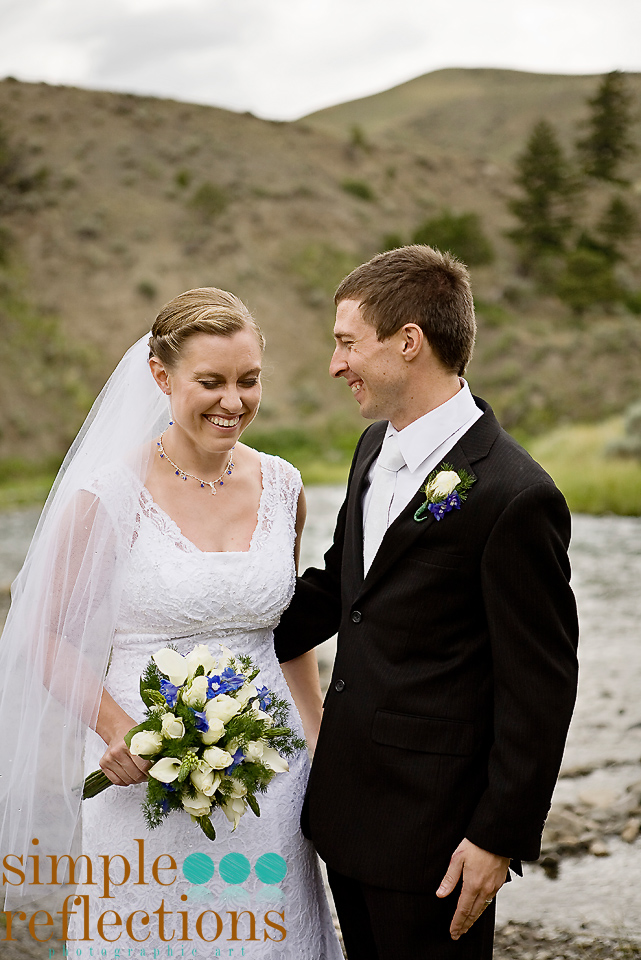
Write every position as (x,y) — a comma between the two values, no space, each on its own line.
(532,621)
(314,614)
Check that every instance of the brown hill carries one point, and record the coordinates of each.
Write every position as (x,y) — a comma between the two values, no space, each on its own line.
(482,112)
(124,201)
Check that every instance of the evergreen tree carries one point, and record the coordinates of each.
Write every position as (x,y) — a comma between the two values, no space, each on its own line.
(587,280)
(608,142)
(544,207)
(618,223)
(460,234)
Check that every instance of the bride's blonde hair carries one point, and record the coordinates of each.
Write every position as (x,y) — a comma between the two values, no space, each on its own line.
(202,310)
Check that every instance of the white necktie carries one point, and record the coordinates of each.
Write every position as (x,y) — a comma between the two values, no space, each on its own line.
(389,462)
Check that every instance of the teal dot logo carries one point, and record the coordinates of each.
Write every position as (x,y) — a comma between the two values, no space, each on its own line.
(234,868)
(271,868)
(198,868)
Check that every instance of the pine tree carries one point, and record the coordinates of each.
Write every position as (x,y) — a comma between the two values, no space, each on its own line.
(461,235)
(608,142)
(544,207)
(587,280)
(617,224)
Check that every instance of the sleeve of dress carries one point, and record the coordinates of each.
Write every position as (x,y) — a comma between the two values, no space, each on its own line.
(290,485)
(533,627)
(55,651)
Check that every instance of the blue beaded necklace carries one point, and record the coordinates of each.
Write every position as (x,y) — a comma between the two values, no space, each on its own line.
(184,475)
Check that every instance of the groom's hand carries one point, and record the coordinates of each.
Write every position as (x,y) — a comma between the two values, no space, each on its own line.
(483,875)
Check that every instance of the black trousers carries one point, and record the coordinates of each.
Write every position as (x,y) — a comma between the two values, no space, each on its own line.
(380,924)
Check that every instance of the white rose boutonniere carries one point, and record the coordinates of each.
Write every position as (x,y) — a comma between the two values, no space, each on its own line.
(445,490)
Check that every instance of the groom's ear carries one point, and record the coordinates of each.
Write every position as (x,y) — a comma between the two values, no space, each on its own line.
(412,342)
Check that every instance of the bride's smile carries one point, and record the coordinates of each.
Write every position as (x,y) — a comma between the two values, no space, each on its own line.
(214,390)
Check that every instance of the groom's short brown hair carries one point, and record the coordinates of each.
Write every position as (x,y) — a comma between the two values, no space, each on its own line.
(417,284)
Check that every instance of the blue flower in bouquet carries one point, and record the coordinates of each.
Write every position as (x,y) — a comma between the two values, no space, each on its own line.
(227,682)
(264,698)
(233,680)
(202,723)
(237,759)
(169,691)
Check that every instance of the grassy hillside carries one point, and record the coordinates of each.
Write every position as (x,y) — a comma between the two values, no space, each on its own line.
(124,201)
(484,113)
(132,200)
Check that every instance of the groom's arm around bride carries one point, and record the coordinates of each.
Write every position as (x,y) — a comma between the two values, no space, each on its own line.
(455,673)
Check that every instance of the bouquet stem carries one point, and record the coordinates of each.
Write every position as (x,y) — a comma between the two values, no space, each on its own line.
(95,783)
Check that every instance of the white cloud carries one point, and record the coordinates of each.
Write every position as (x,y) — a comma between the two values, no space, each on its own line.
(283,58)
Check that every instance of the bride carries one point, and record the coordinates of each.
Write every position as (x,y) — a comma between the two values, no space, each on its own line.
(162,527)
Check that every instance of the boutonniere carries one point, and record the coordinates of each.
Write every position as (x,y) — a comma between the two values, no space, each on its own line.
(445,490)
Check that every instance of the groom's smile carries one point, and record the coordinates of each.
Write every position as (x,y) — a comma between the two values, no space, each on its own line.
(371,367)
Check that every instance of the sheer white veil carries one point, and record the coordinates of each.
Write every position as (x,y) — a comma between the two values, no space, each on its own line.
(55,647)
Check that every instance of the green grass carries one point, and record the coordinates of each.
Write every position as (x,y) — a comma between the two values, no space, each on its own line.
(322,455)
(316,472)
(29,492)
(24,483)
(592,482)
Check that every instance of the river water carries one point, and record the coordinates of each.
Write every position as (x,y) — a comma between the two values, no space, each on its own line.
(592,895)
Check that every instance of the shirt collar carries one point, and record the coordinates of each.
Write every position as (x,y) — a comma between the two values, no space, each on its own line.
(421,437)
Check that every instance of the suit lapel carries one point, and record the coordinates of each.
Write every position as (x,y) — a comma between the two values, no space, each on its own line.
(353,560)
(405,530)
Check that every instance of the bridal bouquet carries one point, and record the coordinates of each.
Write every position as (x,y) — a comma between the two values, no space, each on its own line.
(214,738)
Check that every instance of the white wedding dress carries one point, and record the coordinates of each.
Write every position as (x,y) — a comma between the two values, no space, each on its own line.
(177,593)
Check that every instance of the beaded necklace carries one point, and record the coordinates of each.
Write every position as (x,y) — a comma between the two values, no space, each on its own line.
(183,473)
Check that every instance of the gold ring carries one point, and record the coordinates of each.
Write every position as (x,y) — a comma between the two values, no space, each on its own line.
(490,901)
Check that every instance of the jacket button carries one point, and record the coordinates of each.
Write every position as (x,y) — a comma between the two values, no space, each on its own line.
(339,686)
(357,616)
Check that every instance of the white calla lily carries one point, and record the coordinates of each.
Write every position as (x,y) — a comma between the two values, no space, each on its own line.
(234,810)
(172,665)
(273,760)
(224,658)
(200,657)
(145,743)
(166,769)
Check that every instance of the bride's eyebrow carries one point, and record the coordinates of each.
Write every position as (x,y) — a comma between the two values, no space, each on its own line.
(212,375)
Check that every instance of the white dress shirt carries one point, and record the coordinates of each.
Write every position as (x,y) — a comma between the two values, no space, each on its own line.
(424,444)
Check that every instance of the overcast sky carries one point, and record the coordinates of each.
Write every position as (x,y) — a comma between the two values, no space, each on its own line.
(284,58)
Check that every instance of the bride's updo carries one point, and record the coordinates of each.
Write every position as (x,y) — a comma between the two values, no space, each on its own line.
(202,310)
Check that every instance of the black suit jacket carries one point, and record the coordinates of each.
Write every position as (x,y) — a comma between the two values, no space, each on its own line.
(455,674)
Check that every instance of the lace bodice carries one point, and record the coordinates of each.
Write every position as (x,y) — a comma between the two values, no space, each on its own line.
(174,584)
(175,592)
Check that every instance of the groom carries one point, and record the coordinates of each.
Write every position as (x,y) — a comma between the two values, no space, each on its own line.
(455,672)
